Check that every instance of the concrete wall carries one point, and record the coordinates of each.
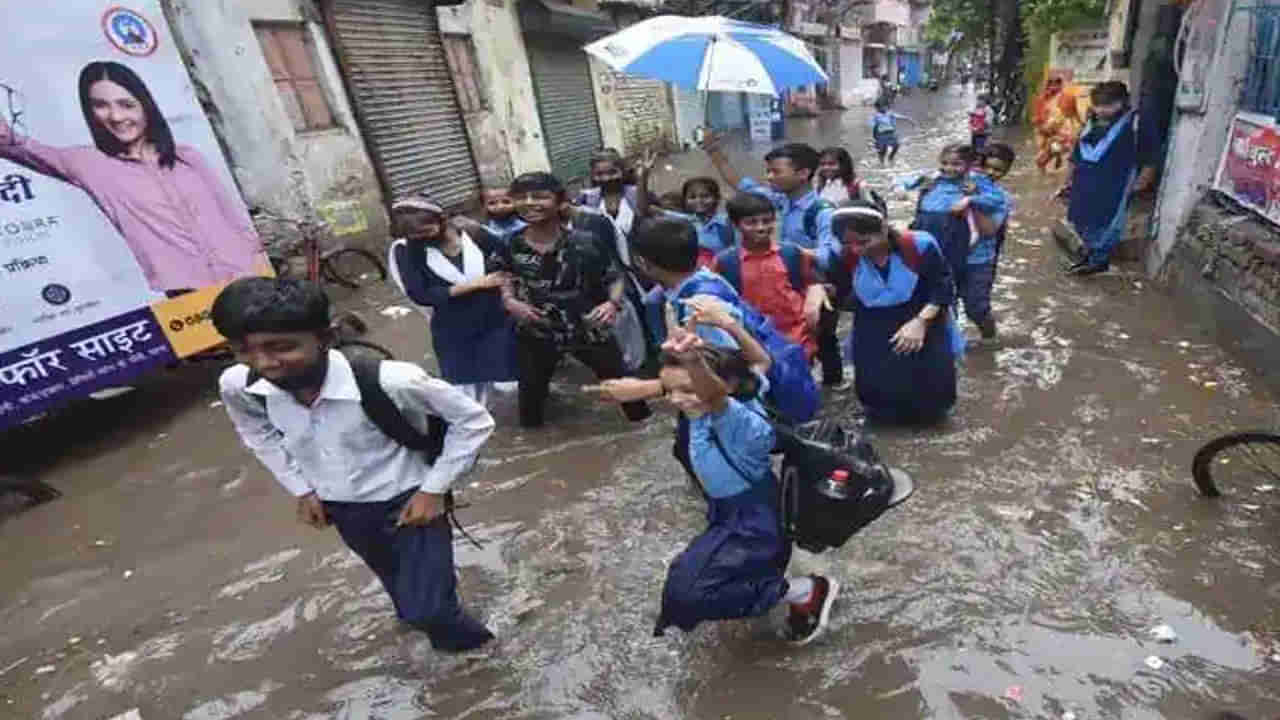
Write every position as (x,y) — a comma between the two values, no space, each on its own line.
(1196,142)
(606,104)
(296,174)
(506,137)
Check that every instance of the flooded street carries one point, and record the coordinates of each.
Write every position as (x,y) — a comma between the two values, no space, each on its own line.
(1054,525)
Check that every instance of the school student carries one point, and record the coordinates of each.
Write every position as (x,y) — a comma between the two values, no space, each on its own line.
(904,343)
(699,204)
(443,268)
(988,208)
(736,567)
(981,118)
(612,196)
(837,181)
(306,412)
(941,210)
(1113,160)
(501,217)
(778,279)
(805,218)
(884,131)
(565,295)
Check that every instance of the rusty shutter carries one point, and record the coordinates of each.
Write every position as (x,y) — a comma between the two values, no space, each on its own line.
(643,111)
(399,79)
(566,104)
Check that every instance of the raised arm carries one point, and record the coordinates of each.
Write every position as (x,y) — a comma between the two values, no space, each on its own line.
(713,145)
(46,160)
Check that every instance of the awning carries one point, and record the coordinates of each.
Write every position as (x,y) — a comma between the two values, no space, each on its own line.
(555,18)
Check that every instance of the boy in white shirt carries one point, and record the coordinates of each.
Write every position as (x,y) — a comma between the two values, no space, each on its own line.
(304,410)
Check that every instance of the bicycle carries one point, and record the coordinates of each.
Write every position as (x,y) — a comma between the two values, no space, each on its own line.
(1240,460)
(341,265)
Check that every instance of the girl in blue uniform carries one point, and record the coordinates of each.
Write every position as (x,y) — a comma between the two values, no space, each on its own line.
(940,210)
(735,568)
(443,268)
(904,342)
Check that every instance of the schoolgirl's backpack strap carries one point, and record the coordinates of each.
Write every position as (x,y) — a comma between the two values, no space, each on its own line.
(909,249)
(729,266)
(794,259)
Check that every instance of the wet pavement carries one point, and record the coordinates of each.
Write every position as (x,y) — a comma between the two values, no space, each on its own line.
(1054,525)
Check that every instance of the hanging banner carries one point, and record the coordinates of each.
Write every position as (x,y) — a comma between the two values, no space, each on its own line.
(1250,167)
(118,215)
(1084,53)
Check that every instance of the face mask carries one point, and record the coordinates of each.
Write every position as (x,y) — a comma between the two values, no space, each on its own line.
(612,186)
(312,377)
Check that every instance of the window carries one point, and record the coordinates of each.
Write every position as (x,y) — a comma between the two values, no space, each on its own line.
(461,52)
(1261,90)
(292,61)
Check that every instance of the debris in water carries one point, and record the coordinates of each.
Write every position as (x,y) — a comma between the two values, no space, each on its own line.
(100,543)
(1151,441)
(130,715)
(128,574)
(395,311)
(1265,488)
(1163,633)
(215,404)
(1014,693)
(1068,716)
(1184,344)
(14,664)
(45,669)
(1211,385)
(1251,507)
(1154,662)
(75,640)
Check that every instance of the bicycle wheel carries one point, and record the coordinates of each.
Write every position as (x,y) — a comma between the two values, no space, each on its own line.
(352,267)
(1237,461)
(365,347)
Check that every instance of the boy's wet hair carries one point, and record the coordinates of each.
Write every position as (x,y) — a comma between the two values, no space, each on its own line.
(1001,151)
(728,364)
(1112,91)
(801,155)
(707,182)
(964,151)
(266,304)
(667,243)
(537,182)
(748,204)
(843,159)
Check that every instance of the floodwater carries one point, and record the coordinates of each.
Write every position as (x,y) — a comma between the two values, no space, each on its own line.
(1054,525)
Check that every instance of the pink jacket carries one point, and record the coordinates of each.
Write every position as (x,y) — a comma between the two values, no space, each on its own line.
(185,230)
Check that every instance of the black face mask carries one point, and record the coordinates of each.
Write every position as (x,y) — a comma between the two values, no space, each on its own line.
(311,377)
(612,186)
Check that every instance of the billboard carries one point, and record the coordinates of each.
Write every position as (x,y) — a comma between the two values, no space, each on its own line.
(119,219)
(1250,167)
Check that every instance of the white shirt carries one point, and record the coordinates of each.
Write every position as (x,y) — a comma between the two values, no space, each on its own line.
(334,450)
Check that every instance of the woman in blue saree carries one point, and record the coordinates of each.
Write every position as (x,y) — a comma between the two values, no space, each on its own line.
(904,342)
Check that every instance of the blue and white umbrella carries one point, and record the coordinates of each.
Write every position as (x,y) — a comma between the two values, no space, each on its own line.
(711,53)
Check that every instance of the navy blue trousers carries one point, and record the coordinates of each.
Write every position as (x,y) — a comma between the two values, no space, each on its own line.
(415,565)
(976,291)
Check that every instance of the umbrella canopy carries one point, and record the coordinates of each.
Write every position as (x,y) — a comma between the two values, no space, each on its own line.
(710,53)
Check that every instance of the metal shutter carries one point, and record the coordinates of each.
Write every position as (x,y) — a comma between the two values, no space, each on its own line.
(402,87)
(643,110)
(566,104)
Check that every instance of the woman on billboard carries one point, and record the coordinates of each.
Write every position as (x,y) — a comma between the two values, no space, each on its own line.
(185,229)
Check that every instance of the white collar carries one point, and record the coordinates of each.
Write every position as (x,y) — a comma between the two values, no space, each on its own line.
(472,262)
(339,382)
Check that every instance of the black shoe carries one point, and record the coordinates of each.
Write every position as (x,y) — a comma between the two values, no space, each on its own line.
(1074,267)
(1089,269)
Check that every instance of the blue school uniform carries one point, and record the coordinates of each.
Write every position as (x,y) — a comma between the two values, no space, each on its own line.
(934,216)
(916,387)
(714,233)
(791,214)
(473,337)
(884,130)
(1106,163)
(980,268)
(734,569)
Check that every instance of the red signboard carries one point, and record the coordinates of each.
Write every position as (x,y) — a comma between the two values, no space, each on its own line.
(1250,166)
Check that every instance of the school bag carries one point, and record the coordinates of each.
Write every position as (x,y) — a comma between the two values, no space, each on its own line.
(978,122)
(811,454)
(729,265)
(383,413)
(811,213)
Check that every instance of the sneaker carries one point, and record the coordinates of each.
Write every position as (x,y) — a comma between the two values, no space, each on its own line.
(1088,269)
(1075,266)
(807,622)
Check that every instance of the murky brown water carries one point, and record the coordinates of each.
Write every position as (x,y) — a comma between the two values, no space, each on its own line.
(1054,525)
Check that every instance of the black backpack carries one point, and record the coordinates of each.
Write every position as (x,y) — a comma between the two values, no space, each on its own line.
(810,453)
(384,414)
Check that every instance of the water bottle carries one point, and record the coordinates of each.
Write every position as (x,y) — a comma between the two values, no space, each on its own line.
(836,486)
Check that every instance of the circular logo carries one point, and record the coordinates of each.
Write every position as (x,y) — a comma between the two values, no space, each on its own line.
(176,325)
(56,294)
(130,32)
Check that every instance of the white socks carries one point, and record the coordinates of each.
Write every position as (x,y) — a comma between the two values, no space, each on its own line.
(799,591)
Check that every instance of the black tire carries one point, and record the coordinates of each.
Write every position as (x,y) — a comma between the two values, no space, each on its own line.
(1262,447)
(367,347)
(352,267)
